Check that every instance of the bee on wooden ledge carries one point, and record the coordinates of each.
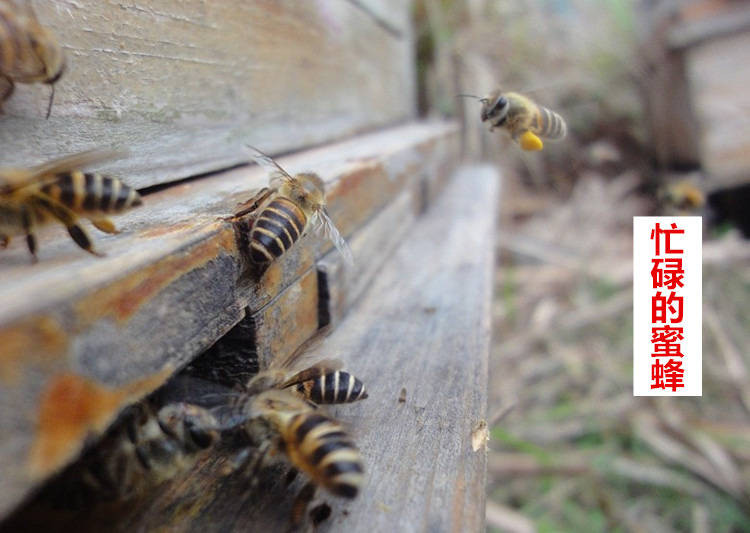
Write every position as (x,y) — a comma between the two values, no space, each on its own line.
(60,191)
(283,212)
(276,417)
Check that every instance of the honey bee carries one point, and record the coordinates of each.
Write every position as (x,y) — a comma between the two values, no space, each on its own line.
(285,210)
(58,191)
(147,446)
(682,196)
(319,381)
(30,53)
(525,121)
(278,411)
(314,442)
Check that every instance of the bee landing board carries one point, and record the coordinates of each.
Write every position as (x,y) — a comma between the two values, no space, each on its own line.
(185,84)
(173,282)
(418,336)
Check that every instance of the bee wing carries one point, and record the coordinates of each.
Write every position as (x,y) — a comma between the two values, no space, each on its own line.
(301,357)
(194,390)
(15,179)
(323,366)
(323,225)
(231,415)
(277,174)
(77,161)
(225,404)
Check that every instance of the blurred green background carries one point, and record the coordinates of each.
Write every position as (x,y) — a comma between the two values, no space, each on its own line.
(655,96)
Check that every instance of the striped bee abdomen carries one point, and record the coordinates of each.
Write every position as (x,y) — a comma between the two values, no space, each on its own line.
(87,193)
(333,387)
(277,227)
(549,124)
(322,449)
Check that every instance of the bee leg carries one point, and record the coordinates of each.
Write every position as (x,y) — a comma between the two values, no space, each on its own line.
(27,221)
(301,503)
(6,89)
(105,225)
(320,513)
(82,239)
(67,217)
(4,240)
(291,476)
(253,203)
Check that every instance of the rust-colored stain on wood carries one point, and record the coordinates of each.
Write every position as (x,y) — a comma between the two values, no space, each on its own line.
(123,298)
(71,408)
(41,336)
(166,229)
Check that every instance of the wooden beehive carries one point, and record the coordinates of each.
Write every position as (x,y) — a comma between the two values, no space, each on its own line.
(184,85)
(696,96)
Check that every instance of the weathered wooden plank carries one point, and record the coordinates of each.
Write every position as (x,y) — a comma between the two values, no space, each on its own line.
(721,21)
(373,245)
(170,285)
(423,327)
(718,75)
(184,84)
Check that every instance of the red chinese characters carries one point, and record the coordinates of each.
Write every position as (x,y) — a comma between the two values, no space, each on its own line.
(667,309)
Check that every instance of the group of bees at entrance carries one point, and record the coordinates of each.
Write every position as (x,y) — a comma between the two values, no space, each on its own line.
(277,411)
(275,414)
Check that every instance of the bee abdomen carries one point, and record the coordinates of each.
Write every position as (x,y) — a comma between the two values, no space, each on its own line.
(328,454)
(550,124)
(333,387)
(87,192)
(277,227)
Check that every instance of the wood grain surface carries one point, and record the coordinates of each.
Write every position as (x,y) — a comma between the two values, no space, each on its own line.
(420,333)
(185,84)
(718,77)
(170,285)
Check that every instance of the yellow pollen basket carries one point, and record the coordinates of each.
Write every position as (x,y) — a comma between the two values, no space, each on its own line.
(530,142)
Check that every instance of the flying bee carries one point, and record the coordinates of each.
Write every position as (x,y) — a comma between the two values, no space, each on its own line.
(29,52)
(58,191)
(147,446)
(526,121)
(285,210)
(682,196)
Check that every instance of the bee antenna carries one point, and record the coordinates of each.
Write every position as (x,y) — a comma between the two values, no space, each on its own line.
(51,99)
(468,96)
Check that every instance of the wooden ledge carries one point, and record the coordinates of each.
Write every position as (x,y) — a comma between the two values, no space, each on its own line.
(419,338)
(86,331)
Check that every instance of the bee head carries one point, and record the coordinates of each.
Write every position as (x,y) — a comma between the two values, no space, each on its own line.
(308,192)
(494,107)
